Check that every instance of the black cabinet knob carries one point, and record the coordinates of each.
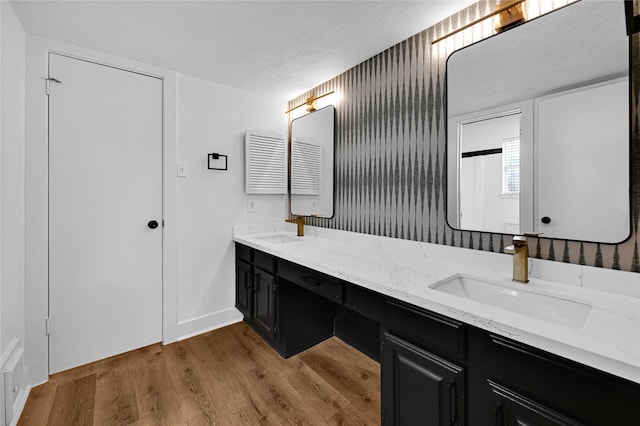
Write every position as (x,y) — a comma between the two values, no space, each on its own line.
(153,224)
(546,220)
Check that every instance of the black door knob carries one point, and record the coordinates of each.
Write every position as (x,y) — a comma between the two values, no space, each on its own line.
(546,220)
(153,224)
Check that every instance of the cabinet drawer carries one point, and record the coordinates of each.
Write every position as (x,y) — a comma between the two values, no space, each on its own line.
(312,280)
(243,252)
(510,408)
(442,335)
(583,393)
(264,261)
(364,302)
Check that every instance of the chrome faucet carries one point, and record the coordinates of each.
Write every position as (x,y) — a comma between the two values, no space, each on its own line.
(300,221)
(520,251)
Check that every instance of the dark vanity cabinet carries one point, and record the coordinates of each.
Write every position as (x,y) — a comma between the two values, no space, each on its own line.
(423,381)
(434,370)
(288,316)
(508,408)
(533,387)
(264,294)
(420,387)
(264,299)
(256,290)
(244,278)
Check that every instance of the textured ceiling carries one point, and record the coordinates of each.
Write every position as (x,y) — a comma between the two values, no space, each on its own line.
(277,48)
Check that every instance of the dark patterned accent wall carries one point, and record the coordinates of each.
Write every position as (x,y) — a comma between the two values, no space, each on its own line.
(390,153)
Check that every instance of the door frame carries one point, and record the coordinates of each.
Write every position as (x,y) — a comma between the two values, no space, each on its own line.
(37,193)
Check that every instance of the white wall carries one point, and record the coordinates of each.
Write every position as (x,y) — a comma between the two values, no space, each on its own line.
(12,177)
(12,194)
(2,413)
(213,118)
(2,26)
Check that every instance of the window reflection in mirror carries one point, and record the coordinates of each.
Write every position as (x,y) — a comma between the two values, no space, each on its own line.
(567,73)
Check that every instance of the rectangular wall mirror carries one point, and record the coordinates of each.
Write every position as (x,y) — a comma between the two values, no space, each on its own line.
(312,163)
(538,127)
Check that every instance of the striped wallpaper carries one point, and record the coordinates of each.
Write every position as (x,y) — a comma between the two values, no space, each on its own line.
(390,150)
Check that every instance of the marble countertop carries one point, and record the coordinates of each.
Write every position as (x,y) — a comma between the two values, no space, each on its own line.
(609,340)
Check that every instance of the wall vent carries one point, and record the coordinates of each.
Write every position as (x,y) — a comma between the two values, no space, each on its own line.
(305,168)
(265,163)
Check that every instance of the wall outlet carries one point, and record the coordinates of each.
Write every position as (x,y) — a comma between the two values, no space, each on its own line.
(251,205)
(314,204)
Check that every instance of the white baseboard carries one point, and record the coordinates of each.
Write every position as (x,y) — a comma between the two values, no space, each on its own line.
(203,324)
(2,414)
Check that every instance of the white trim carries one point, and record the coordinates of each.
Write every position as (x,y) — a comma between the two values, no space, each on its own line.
(4,357)
(36,188)
(206,323)
(13,344)
(509,195)
(22,402)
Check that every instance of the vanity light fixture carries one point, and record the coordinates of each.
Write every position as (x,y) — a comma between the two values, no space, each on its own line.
(310,103)
(633,21)
(511,13)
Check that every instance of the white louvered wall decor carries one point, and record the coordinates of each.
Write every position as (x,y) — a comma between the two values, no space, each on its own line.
(266,163)
(305,168)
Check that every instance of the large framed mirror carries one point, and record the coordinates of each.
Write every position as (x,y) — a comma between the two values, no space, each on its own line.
(312,163)
(538,127)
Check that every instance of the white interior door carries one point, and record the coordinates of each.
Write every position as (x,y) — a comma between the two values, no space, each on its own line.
(105,186)
(582,142)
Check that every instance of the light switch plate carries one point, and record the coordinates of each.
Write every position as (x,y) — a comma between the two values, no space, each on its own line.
(182,169)
(251,205)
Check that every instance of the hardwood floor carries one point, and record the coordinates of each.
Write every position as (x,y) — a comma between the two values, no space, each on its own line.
(228,376)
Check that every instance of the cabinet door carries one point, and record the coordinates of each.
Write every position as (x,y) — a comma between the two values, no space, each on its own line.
(508,408)
(578,392)
(419,388)
(243,285)
(264,291)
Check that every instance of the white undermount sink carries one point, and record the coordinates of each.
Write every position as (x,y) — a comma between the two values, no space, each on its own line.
(552,308)
(278,238)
